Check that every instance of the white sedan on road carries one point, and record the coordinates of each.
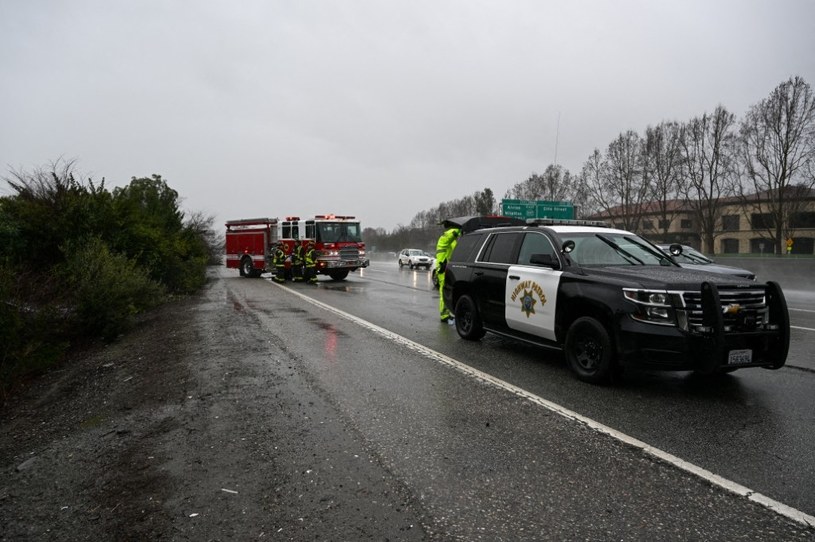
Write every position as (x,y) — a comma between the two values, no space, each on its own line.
(413,258)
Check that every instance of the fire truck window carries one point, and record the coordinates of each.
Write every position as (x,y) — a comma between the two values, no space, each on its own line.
(328,233)
(338,233)
(352,233)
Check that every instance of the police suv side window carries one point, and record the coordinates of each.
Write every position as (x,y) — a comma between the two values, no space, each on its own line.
(535,243)
(501,248)
(465,248)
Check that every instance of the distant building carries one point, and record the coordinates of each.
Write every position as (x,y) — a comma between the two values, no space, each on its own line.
(742,224)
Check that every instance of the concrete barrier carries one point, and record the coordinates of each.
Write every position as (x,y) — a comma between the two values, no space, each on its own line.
(791,272)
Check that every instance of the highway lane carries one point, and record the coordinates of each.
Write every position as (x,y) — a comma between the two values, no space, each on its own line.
(477,458)
(753,427)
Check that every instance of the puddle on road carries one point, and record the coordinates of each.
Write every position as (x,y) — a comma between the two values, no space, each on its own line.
(338,288)
(327,326)
(330,340)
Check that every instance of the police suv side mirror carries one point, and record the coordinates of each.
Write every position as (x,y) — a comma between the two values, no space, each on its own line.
(675,249)
(547,260)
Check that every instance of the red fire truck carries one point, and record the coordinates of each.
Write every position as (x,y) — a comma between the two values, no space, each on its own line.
(337,238)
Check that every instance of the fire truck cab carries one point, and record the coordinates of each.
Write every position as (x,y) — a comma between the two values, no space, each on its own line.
(338,241)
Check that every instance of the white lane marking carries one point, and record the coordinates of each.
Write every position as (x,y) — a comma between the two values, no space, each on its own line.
(804,328)
(733,487)
(800,310)
(371,270)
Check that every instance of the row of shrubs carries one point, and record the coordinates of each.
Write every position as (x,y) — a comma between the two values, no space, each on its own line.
(78,262)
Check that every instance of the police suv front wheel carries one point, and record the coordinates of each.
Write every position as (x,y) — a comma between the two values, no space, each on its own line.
(589,350)
(468,321)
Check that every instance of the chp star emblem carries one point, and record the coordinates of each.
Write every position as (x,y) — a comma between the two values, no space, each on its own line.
(528,303)
(525,293)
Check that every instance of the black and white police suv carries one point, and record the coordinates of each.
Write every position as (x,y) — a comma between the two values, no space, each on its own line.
(611,299)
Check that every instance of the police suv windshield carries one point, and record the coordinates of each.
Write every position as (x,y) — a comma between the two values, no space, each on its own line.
(338,232)
(613,248)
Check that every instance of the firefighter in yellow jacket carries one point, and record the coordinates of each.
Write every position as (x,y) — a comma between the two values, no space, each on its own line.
(311,263)
(444,247)
(279,261)
(297,257)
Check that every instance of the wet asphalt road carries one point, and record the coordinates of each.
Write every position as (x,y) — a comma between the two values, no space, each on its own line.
(489,463)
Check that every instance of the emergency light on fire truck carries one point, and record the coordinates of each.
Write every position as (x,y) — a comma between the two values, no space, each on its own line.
(334,217)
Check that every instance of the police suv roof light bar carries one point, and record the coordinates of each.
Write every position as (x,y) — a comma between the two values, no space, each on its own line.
(566,222)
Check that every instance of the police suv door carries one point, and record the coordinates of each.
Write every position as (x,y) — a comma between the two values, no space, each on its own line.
(490,275)
(531,289)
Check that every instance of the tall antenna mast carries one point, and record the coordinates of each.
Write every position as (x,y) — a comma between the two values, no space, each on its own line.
(557,136)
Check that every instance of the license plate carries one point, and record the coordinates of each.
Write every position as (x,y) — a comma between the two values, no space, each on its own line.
(739,357)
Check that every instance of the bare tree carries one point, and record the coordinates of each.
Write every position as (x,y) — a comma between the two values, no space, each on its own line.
(619,183)
(203,226)
(777,150)
(708,148)
(593,179)
(484,202)
(554,185)
(45,183)
(480,202)
(662,169)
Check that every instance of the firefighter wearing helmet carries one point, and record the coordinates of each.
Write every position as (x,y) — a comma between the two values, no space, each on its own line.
(279,261)
(311,263)
(297,257)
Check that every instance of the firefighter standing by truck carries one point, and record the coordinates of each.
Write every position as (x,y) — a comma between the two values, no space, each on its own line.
(297,257)
(279,261)
(444,247)
(311,263)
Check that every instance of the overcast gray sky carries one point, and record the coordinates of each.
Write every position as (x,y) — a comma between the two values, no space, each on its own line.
(375,108)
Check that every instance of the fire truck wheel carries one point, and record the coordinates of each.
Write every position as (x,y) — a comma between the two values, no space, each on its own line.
(339,274)
(247,269)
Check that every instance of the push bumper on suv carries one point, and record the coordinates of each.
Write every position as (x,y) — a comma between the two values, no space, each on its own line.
(715,331)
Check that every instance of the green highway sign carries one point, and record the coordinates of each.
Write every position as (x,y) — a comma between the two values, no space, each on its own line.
(523,209)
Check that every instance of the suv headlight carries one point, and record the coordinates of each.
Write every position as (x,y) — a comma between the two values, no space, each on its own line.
(652,306)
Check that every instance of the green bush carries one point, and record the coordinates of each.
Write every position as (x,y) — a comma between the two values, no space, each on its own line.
(153,233)
(106,290)
(78,262)
(30,330)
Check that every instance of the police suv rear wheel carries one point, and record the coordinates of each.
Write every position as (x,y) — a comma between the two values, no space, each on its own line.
(468,321)
(589,350)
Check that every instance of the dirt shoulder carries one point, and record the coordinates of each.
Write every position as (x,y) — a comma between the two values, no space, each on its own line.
(197,425)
